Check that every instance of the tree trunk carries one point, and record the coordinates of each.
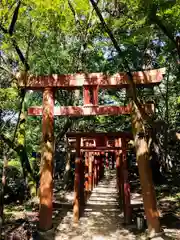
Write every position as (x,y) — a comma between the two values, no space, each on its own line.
(5,164)
(145,173)
(30,179)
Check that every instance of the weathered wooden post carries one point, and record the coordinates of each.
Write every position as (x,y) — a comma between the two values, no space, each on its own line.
(82,183)
(107,160)
(76,206)
(101,165)
(87,174)
(90,171)
(98,167)
(127,193)
(95,169)
(46,171)
(119,171)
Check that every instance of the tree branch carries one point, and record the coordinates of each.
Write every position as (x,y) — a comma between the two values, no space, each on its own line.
(10,32)
(156,20)
(14,19)
(74,12)
(125,62)
(20,150)
(23,94)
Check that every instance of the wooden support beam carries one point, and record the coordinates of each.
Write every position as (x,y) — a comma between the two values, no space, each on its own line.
(90,171)
(75,111)
(95,171)
(71,81)
(90,95)
(82,186)
(86,96)
(98,168)
(46,171)
(107,160)
(102,164)
(76,205)
(94,135)
(119,171)
(127,192)
(86,175)
(98,149)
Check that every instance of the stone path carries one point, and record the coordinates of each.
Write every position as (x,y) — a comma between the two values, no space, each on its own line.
(102,218)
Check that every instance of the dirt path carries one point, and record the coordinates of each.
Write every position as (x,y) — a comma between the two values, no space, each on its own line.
(102,218)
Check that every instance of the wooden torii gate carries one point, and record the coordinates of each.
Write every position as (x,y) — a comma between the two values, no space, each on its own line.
(95,145)
(90,83)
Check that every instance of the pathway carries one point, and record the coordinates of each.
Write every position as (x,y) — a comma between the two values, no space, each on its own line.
(102,218)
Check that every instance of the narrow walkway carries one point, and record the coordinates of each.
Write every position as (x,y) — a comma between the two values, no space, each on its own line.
(102,218)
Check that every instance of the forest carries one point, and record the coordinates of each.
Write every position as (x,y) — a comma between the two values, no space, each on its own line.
(97,36)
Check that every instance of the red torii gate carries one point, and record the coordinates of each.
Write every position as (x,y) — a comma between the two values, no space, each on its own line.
(91,84)
(94,169)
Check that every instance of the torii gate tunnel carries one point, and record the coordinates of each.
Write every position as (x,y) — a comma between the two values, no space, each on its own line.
(95,148)
(91,83)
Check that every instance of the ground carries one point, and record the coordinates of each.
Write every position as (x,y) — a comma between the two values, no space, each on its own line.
(102,219)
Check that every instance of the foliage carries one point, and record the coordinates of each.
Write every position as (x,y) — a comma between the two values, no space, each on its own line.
(66,37)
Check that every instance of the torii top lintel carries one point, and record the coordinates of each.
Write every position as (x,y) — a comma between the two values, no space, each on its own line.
(143,78)
(92,135)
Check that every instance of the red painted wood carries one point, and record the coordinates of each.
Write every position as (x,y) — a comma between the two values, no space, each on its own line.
(119,169)
(82,185)
(99,148)
(77,178)
(95,95)
(95,170)
(46,176)
(86,95)
(87,174)
(101,166)
(83,110)
(127,192)
(107,160)
(98,169)
(94,135)
(146,78)
(90,171)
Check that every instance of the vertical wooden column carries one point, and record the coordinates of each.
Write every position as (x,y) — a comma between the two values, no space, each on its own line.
(86,175)
(90,95)
(113,160)
(101,166)
(95,95)
(90,172)
(98,168)
(77,185)
(82,182)
(127,193)
(145,172)
(93,172)
(102,163)
(86,95)
(95,169)
(119,172)
(46,171)
(117,167)
(107,160)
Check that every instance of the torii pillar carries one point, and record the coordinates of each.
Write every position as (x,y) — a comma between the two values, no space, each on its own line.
(127,193)
(119,171)
(46,172)
(77,185)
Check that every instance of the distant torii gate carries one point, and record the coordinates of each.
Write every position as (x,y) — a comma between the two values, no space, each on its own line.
(95,145)
(90,84)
